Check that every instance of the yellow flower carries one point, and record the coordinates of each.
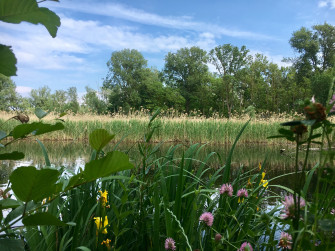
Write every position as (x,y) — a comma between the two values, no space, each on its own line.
(264,182)
(240,200)
(260,166)
(103,197)
(98,222)
(106,242)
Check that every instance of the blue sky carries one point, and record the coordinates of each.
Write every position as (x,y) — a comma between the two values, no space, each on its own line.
(92,30)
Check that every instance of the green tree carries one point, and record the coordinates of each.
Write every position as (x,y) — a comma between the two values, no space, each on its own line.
(187,71)
(124,78)
(229,60)
(41,98)
(58,100)
(72,100)
(93,102)
(9,99)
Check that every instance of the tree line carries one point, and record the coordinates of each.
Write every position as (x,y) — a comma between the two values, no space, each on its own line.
(239,81)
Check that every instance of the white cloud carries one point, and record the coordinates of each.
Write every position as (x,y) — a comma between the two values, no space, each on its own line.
(139,16)
(326,3)
(23,90)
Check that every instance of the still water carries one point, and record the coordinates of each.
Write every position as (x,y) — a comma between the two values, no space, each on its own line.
(73,155)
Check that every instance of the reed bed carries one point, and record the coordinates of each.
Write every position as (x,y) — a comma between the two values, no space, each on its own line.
(184,128)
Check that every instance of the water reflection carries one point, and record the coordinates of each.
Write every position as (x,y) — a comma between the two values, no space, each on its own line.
(73,155)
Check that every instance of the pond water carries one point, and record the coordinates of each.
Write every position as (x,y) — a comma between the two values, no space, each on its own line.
(75,154)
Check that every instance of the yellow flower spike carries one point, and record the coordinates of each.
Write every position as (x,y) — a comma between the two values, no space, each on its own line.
(263,175)
(103,197)
(260,166)
(98,222)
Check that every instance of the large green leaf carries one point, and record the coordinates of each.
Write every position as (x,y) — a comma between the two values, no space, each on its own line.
(12,156)
(28,183)
(43,218)
(113,162)
(9,203)
(38,128)
(11,244)
(99,138)
(17,11)
(7,61)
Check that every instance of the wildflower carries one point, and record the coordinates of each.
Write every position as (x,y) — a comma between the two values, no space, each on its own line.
(332,211)
(103,197)
(98,222)
(285,240)
(106,242)
(170,244)
(207,218)
(218,237)
(249,185)
(226,188)
(263,181)
(242,193)
(299,129)
(260,166)
(246,246)
(315,111)
(289,208)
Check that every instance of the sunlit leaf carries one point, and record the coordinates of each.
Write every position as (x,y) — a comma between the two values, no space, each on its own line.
(28,183)
(113,162)
(99,139)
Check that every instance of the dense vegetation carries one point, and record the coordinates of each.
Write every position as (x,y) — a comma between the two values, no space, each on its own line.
(240,82)
(166,201)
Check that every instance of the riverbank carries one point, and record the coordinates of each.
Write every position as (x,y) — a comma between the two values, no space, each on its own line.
(180,129)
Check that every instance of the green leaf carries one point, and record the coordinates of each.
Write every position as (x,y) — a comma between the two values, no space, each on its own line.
(113,162)
(42,218)
(40,113)
(17,11)
(308,122)
(9,203)
(7,61)
(3,135)
(37,128)
(11,244)
(99,138)
(286,132)
(83,248)
(28,183)
(45,153)
(12,156)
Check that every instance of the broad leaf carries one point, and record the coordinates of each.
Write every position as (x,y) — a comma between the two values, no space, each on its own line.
(17,11)
(9,203)
(11,244)
(43,218)
(113,162)
(12,156)
(99,139)
(38,128)
(28,183)
(40,113)
(7,61)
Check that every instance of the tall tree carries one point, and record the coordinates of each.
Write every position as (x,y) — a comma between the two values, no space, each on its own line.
(72,100)
(41,98)
(228,60)
(187,71)
(124,78)
(58,100)
(8,97)
(93,102)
